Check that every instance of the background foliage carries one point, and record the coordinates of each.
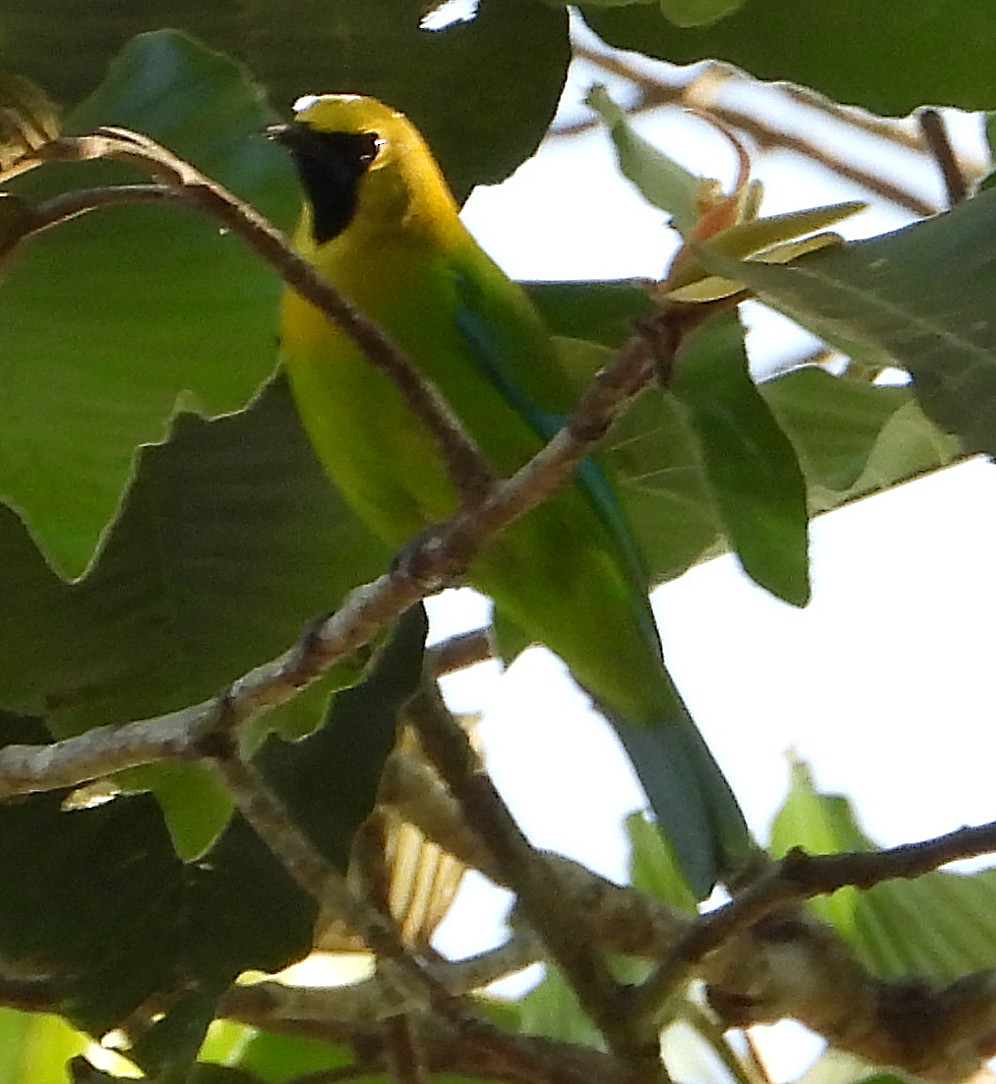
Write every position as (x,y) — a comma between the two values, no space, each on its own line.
(165,527)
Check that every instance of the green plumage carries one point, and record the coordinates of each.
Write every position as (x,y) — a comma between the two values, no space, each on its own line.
(383,229)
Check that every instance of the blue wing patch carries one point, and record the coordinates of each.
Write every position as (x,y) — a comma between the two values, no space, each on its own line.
(487,349)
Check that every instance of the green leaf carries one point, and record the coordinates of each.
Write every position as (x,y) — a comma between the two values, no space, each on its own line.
(653,867)
(919,299)
(600,312)
(278,1058)
(100,896)
(660,179)
(93,361)
(698,12)
(852,437)
(652,456)
(941,925)
(889,57)
(231,540)
(750,464)
(483,91)
(551,1010)
(35,1047)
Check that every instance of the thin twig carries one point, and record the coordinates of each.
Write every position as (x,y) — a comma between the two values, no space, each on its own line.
(319,878)
(800,876)
(522,1059)
(938,144)
(654,92)
(458,652)
(415,985)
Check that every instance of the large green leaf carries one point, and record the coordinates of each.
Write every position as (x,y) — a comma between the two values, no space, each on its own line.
(919,299)
(750,465)
(34,1047)
(484,90)
(852,438)
(940,925)
(99,900)
(230,541)
(890,56)
(108,319)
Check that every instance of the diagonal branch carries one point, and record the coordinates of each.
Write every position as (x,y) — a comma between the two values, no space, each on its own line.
(470,470)
(438,557)
(536,883)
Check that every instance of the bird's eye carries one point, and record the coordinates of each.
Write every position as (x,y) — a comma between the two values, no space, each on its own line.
(371,144)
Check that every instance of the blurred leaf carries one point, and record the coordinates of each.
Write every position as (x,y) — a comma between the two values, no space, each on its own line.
(698,12)
(551,1010)
(918,299)
(653,867)
(652,457)
(483,91)
(35,1047)
(600,312)
(889,57)
(854,438)
(278,1058)
(941,925)
(27,118)
(751,466)
(659,179)
(835,1067)
(93,363)
(230,541)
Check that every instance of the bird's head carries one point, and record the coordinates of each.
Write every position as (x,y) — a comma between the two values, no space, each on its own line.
(356,157)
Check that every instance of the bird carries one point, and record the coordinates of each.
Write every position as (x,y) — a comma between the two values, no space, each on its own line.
(381,225)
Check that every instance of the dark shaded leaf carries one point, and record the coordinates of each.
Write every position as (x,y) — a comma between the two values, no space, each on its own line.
(750,464)
(601,312)
(852,438)
(230,541)
(918,299)
(890,57)
(97,901)
(485,90)
(108,319)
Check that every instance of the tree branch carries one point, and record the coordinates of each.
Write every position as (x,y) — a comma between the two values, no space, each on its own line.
(469,469)
(800,876)
(541,896)
(935,136)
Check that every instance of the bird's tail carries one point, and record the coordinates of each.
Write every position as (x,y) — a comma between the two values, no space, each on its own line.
(689,795)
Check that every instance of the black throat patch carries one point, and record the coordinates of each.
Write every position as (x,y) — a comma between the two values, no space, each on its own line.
(331,166)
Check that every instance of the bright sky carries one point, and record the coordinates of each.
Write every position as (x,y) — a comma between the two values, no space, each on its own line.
(883,684)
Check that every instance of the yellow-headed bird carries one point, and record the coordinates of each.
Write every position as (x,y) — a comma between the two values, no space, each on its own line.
(383,228)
